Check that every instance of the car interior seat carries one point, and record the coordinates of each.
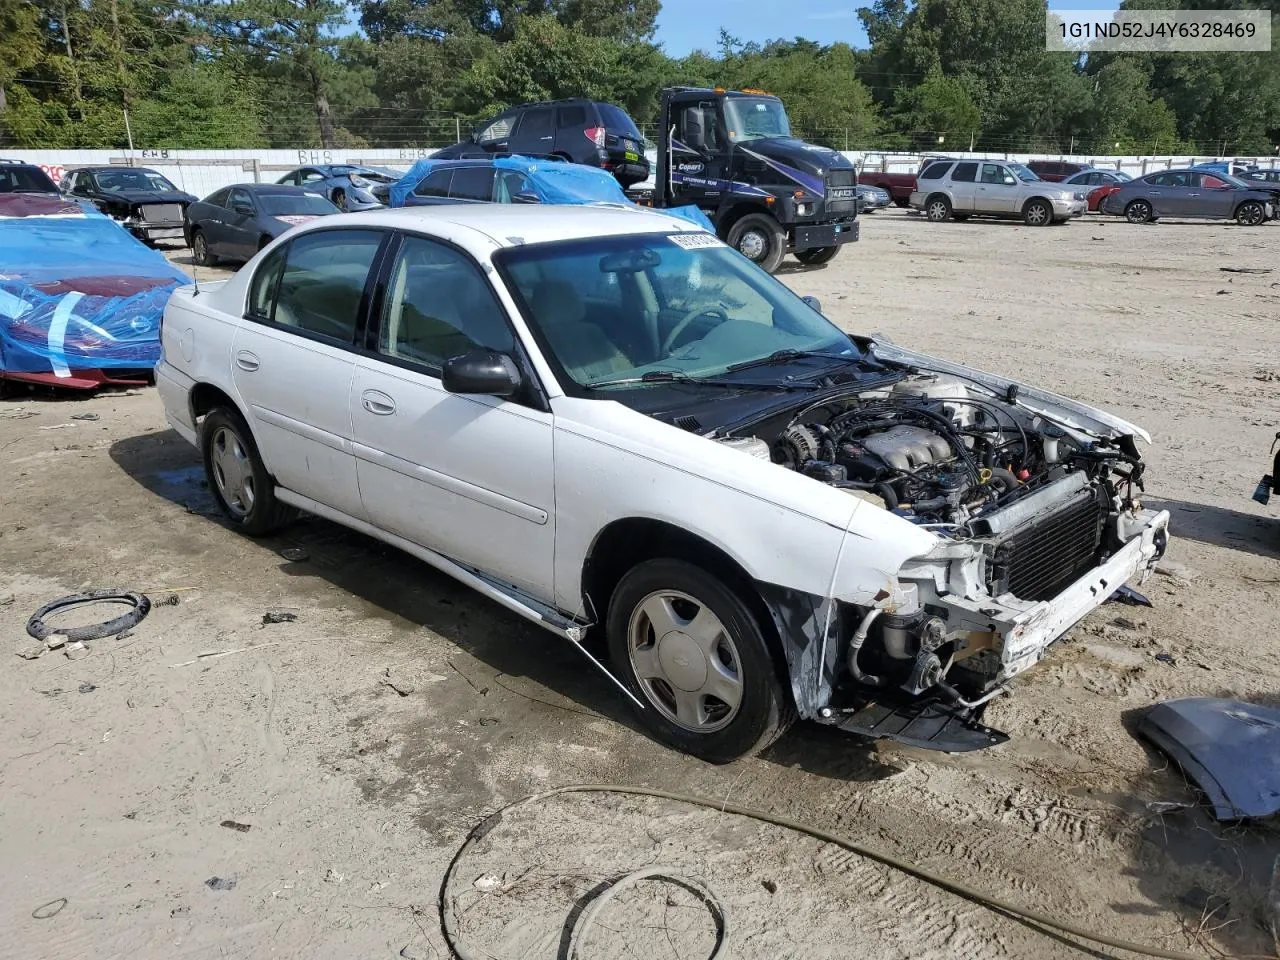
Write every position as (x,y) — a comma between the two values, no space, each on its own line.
(581,346)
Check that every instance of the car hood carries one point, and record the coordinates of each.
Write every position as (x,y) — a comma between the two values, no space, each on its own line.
(806,163)
(293,219)
(148,196)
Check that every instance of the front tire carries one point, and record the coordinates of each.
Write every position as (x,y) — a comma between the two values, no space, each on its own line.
(1139,211)
(1037,213)
(938,209)
(760,239)
(1250,213)
(688,646)
(817,256)
(243,489)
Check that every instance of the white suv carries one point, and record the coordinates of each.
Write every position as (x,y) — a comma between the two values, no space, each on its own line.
(959,189)
(609,418)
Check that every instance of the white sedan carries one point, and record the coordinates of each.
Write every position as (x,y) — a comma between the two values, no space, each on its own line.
(608,418)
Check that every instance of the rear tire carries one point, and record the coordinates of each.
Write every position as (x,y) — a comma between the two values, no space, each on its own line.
(710,685)
(1250,213)
(937,209)
(817,256)
(760,239)
(238,479)
(200,250)
(1037,213)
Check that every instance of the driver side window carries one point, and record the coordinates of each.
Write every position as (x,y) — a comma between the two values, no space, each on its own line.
(697,126)
(994,173)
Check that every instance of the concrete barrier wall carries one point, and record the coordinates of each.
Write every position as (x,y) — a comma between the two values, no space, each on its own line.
(201,172)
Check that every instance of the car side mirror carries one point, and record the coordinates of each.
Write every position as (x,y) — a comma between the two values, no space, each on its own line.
(243,209)
(814,302)
(526,196)
(482,372)
(1009,181)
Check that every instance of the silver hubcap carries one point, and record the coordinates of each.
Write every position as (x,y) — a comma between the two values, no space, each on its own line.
(200,248)
(753,245)
(685,661)
(938,211)
(232,472)
(1036,214)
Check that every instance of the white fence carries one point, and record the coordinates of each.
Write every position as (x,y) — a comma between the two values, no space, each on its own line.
(201,172)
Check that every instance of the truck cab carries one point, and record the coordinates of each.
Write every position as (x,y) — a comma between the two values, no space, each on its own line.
(732,154)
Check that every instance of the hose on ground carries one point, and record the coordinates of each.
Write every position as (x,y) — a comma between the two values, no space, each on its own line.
(449,919)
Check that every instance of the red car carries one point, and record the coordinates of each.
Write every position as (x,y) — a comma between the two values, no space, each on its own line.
(1098,193)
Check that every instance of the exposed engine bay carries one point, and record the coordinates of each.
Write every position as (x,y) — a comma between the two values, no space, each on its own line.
(1028,506)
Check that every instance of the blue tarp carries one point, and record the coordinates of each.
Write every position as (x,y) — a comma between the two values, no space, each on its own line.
(77,291)
(554,182)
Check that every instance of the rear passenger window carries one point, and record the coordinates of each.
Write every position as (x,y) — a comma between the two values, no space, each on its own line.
(964,172)
(262,292)
(472,183)
(568,118)
(439,306)
(935,170)
(323,282)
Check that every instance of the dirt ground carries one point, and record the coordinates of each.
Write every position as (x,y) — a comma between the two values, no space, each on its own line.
(119,772)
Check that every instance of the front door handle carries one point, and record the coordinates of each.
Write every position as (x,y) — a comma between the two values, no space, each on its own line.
(377,402)
(247,361)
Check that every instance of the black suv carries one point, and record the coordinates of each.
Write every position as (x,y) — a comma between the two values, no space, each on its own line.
(582,131)
(19,177)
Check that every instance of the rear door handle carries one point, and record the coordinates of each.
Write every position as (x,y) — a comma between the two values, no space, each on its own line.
(377,402)
(247,361)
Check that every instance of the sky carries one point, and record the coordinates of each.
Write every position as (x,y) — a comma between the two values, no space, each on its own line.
(687,25)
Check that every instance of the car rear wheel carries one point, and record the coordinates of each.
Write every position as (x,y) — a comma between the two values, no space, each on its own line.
(1250,213)
(938,209)
(1037,213)
(200,250)
(237,476)
(690,649)
(760,239)
(817,256)
(1139,211)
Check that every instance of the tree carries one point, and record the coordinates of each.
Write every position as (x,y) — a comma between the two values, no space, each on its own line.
(940,109)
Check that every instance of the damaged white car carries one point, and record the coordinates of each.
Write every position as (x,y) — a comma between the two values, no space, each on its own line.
(607,418)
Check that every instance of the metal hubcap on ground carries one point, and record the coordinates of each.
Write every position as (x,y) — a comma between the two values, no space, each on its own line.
(1035,214)
(937,210)
(685,660)
(232,472)
(753,245)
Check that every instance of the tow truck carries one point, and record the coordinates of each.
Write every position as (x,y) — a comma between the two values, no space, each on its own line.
(732,154)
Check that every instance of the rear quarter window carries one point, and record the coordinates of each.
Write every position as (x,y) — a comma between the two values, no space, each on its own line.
(935,170)
(964,172)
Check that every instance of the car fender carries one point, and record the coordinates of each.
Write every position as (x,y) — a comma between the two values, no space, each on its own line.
(196,340)
(784,529)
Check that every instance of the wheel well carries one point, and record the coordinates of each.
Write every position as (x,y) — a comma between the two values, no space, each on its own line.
(205,396)
(937,195)
(728,216)
(625,543)
(1031,200)
(1243,202)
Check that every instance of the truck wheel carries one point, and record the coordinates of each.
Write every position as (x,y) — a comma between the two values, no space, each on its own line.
(938,209)
(1037,213)
(237,476)
(901,202)
(760,239)
(691,650)
(817,256)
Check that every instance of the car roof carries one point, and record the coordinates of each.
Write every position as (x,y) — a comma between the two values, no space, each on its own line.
(111,168)
(481,226)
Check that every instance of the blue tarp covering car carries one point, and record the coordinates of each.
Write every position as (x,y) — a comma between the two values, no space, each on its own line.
(80,299)
(550,181)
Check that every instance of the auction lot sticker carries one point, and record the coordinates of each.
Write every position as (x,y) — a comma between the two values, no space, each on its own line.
(1168,31)
(694,241)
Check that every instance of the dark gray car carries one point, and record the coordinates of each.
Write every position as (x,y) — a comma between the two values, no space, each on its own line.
(236,222)
(349,186)
(1190,193)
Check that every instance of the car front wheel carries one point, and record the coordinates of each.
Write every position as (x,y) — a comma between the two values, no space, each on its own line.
(1037,213)
(691,650)
(200,250)
(237,476)
(1250,213)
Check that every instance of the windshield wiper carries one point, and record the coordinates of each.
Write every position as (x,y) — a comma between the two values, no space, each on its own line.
(673,376)
(786,356)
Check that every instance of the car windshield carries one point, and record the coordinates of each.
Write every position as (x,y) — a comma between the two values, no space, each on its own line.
(1024,174)
(15,179)
(756,119)
(295,205)
(669,306)
(113,181)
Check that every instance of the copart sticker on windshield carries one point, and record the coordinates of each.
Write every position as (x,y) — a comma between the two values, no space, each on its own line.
(694,241)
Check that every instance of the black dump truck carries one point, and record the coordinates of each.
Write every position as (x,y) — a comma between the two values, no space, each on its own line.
(731,153)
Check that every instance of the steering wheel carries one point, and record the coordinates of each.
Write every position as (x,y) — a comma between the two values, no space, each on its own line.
(687,319)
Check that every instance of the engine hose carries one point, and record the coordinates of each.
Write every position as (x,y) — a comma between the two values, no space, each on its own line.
(449,917)
(1011,482)
(855,647)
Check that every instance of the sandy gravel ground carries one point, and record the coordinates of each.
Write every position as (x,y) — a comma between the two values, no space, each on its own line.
(118,770)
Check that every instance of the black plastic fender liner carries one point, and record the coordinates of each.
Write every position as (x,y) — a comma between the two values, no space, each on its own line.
(803,621)
(40,630)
